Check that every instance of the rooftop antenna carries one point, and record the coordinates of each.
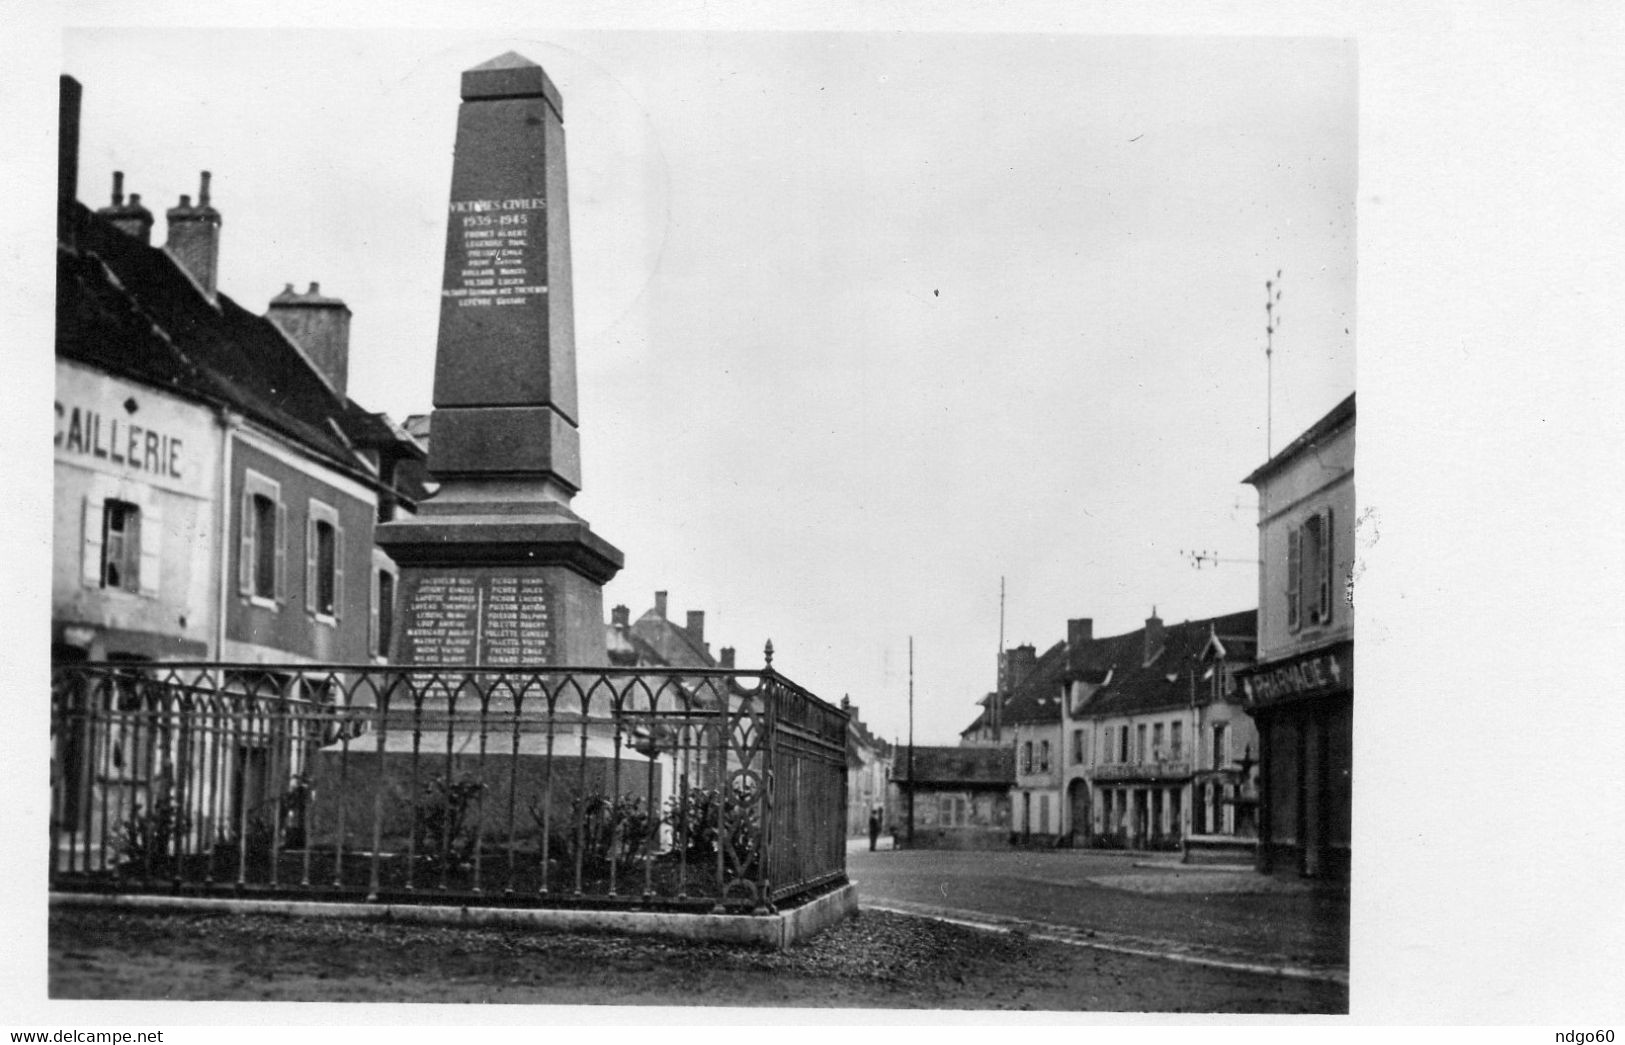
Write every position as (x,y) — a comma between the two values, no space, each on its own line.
(1211,558)
(1272,323)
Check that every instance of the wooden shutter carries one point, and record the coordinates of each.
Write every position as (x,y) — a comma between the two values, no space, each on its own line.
(1294,555)
(149,537)
(91,569)
(338,570)
(1325,566)
(374,593)
(245,545)
(281,539)
(312,540)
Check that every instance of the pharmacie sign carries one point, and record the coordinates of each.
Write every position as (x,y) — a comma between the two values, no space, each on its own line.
(1309,675)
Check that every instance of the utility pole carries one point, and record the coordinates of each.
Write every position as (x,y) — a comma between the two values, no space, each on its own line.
(911,781)
(1272,322)
(998,675)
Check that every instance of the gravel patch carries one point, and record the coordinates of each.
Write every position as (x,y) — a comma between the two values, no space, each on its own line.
(1199,882)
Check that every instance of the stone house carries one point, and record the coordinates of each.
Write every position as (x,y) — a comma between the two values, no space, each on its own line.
(1301,691)
(215,487)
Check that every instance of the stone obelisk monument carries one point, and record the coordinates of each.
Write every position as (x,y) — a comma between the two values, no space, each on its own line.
(497,570)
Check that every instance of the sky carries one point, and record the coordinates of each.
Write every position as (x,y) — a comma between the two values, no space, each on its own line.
(866,322)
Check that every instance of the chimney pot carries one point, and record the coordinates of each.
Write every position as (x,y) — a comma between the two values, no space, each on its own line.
(118,188)
(186,201)
(203,191)
(315,288)
(660,605)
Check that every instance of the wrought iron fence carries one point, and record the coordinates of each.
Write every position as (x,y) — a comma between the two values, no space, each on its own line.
(710,789)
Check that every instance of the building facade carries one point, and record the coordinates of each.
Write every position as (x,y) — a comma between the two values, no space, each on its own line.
(1159,752)
(215,488)
(953,797)
(1301,691)
(868,770)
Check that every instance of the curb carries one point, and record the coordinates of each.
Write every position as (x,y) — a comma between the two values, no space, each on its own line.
(777,931)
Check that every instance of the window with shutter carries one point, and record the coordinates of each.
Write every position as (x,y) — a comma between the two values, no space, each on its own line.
(322,568)
(120,554)
(262,543)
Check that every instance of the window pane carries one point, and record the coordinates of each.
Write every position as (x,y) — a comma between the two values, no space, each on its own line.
(265,538)
(325,551)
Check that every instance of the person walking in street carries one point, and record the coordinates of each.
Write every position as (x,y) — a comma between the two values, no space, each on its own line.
(874,829)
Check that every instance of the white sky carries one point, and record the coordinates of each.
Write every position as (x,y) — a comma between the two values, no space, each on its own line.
(922,442)
(865,320)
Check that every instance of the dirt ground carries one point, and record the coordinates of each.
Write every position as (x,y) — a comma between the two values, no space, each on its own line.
(877,960)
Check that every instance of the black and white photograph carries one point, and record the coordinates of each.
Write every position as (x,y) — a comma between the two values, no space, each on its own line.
(788,517)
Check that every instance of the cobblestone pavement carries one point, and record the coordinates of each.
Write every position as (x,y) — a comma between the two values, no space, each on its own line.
(1211,916)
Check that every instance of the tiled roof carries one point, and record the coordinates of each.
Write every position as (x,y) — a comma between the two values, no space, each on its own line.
(1336,418)
(1037,699)
(972,766)
(1136,686)
(677,647)
(128,308)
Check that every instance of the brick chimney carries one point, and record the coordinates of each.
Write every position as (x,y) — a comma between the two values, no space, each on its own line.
(1080,631)
(696,625)
(320,326)
(726,655)
(69,93)
(621,617)
(130,218)
(1154,635)
(1018,664)
(194,238)
(660,605)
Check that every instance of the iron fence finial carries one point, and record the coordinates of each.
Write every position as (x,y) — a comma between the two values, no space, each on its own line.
(767,652)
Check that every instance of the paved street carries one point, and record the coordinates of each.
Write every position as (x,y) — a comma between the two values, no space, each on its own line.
(1139,903)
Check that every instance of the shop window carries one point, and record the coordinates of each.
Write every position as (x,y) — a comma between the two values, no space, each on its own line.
(262,554)
(324,566)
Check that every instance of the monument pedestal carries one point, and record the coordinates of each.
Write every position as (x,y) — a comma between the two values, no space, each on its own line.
(499,589)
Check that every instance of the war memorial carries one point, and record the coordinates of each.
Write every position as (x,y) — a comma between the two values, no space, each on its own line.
(496,766)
